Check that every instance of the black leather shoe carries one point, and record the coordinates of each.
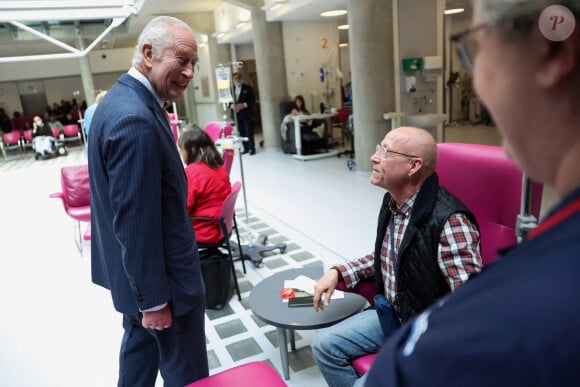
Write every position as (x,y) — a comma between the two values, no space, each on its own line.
(252,152)
(244,152)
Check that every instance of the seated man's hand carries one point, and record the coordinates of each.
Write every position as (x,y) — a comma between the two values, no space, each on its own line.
(325,285)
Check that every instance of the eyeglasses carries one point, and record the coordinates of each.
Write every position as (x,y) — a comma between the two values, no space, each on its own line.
(466,46)
(383,152)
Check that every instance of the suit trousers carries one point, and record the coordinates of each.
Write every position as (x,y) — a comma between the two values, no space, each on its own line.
(178,352)
(247,130)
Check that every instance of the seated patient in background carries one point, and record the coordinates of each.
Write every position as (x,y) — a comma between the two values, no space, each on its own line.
(427,244)
(300,108)
(207,181)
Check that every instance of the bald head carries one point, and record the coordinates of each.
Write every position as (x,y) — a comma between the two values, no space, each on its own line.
(417,142)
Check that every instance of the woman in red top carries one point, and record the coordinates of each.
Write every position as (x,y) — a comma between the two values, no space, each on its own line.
(207,180)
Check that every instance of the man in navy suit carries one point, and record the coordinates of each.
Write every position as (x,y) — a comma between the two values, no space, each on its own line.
(143,245)
(244,109)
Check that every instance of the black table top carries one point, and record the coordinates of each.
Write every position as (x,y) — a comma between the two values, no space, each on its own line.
(266,303)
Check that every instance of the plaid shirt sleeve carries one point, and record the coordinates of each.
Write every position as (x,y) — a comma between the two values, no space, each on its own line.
(354,271)
(459,250)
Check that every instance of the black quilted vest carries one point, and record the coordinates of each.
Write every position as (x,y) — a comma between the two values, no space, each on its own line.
(419,279)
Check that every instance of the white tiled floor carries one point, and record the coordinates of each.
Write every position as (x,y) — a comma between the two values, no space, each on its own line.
(58,329)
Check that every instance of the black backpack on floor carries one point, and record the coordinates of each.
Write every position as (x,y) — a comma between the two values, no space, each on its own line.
(217,276)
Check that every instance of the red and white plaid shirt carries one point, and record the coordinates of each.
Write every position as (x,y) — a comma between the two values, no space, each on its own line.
(458,255)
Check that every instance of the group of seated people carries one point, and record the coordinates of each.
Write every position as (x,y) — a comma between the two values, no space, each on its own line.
(439,318)
(414,203)
(65,113)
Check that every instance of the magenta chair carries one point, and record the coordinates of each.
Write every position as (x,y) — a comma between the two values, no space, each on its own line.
(75,197)
(490,184)
(227,222)
(27,138)
(55,132)
(254,374)
(10,141)
(217,129)
(71,133)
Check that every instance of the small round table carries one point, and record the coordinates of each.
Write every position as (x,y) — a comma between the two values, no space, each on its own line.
(267,304)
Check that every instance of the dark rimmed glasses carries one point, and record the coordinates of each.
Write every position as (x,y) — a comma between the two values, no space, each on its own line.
(466,45)
(383,152)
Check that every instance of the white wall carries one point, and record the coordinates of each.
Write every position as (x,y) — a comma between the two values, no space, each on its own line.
(307,47)
(418,38)
(9,99)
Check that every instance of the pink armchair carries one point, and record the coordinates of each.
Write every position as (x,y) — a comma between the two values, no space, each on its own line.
(71,133)
(11,140)
(75,197)
(487,182)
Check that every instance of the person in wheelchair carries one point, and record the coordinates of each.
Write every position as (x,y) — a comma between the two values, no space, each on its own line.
(45,146)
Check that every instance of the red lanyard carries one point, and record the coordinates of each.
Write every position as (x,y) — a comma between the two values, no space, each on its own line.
(556,218)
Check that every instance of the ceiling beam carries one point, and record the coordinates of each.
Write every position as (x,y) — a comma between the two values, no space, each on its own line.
(74,53)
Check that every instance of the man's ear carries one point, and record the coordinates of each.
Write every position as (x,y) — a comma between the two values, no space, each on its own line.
(558,60)
(147,51)
(416,165)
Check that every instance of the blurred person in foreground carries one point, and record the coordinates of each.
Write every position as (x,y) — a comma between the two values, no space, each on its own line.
(516,324)
(143,246)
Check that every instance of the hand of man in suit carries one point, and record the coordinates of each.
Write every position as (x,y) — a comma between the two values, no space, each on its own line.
(240,106)
(160,319)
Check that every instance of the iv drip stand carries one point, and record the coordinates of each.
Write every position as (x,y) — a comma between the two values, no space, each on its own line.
(254,249)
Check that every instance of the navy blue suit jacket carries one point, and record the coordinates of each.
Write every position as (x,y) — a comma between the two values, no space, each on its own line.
(246,96)
(143,244)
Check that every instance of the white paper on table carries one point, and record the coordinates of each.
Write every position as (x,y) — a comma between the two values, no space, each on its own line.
(306,284)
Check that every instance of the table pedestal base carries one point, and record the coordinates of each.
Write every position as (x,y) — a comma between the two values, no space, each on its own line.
(283,343)
(316,156)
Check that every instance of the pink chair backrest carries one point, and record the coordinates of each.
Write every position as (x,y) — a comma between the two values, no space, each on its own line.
(342,116)
(214,129)
(75,185)
(229,206)
(490,184)
(55,132)
(255,374)
(11,138)
(27,134)
(70,130)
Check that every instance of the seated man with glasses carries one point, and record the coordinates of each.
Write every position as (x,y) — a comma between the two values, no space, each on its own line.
(427,245)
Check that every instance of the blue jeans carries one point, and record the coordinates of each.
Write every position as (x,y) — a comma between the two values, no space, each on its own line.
(336,346)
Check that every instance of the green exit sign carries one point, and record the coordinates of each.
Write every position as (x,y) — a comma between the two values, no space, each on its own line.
(412,64)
